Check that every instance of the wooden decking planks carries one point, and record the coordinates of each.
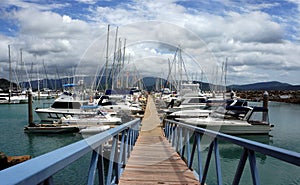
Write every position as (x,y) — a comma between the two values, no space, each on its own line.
(153,160)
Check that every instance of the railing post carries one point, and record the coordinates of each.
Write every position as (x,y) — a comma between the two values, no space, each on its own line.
(211,146)
(193,151)
(93,166)
(111,161)
(126,145)
(188,146)
(254,171)
(130,142)
(100,166)
(180,143)
(173,135)
(167,129)
(217,161)
(122,145)
(199,156)
(170,132)
(240,168)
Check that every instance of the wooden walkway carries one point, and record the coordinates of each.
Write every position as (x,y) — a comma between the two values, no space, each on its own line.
(153,160)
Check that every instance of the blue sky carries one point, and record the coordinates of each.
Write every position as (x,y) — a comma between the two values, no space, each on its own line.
(260,39)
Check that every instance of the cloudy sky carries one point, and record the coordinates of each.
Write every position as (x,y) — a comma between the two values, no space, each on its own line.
(259,39)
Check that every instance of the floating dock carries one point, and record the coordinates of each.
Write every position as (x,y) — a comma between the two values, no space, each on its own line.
(153,160)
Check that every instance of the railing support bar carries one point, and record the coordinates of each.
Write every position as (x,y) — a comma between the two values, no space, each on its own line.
(193,151)
(254,171)
(217,161)
(211,146)
(181,149)
(119,164)
(240,168)
(93,166)
(111,161)
(188,146)
(199,156)
(100,166)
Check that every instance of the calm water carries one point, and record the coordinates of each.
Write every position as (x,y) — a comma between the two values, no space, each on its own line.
(285,134)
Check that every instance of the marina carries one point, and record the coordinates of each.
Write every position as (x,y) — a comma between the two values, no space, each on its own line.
(149,92)
(284,134)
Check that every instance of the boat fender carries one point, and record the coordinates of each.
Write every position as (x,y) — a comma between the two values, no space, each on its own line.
(91,99)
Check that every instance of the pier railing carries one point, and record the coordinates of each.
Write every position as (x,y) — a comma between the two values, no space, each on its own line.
(181,135)
(40,170)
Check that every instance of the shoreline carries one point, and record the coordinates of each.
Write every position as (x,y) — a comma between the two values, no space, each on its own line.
(274,95)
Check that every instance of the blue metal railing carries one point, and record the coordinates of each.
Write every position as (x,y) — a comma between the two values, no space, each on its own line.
(179,134)
(40,170)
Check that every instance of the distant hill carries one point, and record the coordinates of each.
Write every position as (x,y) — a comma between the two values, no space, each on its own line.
(4,85)
(273,85)
(150,84)
(266,86)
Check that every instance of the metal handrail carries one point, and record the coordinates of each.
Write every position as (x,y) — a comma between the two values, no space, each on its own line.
(174,133)
(41,169)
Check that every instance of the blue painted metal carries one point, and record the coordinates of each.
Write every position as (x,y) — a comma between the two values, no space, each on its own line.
(240,167)
(217,161)
(205,171)
(200,173)
(188,146)
(254,171)
(181,142)
(111,161)
(93,167)
(249,150)
(40,169)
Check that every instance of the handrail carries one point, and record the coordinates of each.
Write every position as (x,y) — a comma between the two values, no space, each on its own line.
(174,133)
(40,169)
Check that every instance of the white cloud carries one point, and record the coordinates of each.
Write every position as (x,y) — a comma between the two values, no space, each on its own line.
(247,38)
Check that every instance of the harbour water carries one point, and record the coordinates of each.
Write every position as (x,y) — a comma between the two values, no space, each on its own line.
(285,134)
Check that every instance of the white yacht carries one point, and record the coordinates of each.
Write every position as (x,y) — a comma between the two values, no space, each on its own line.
(122,105)
(63,106)
(101,118)
(235,120)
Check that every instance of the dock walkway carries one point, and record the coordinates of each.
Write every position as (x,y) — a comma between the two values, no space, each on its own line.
(153,160)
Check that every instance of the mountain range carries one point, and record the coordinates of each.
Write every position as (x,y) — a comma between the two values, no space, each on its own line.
(266,86)
(273,85)
(150,84)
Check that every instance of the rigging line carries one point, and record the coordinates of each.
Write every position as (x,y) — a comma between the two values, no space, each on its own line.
(170,68)
(184,67)
(99,82)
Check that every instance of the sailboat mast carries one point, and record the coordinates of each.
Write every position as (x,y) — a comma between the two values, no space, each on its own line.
(106,64)
(10,74)
(225,71)
(180,69)
(122,67)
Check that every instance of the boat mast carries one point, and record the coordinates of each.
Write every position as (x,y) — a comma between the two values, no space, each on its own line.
(10,84)
(180,62)
(106,64)
(115,56)
(123,61)
(225,71)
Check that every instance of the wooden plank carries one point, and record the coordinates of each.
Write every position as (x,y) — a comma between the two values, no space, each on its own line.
(153,160)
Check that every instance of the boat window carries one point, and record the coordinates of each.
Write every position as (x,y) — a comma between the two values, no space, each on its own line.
(197,100)
(257,117)
(66,105)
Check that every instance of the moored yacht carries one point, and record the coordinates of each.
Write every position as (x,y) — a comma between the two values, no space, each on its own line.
(66,104)
(235,120)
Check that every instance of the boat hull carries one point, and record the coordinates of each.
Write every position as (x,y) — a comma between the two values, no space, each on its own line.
(230,127)
(50,115)
(52,129)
